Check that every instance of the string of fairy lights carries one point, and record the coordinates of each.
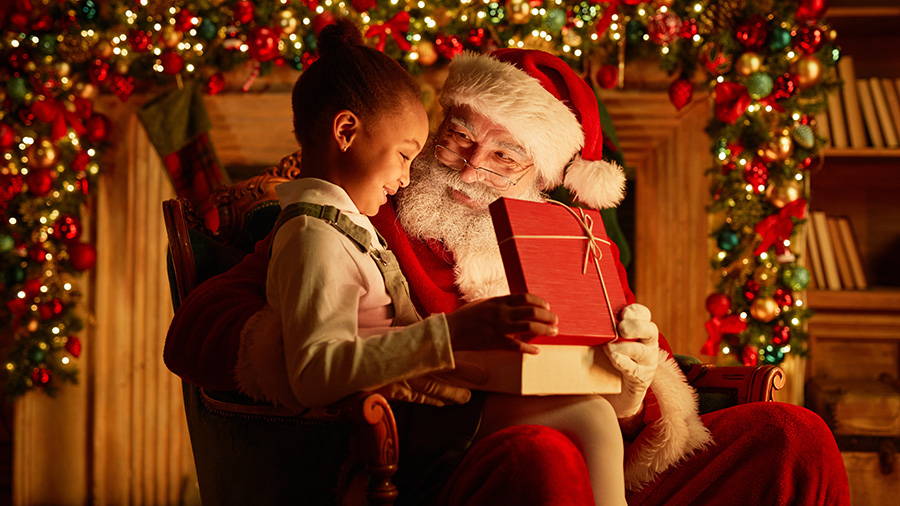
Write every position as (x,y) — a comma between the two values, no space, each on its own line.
(766,63)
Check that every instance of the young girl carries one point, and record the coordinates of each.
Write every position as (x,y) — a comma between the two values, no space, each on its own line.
(342,307)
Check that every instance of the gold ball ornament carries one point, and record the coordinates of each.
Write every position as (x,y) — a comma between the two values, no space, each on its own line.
(62,68)
(43,153)
(808,70)
(571,38)
(779,149)
(764,309)
(287,22)
(748,63)
(170,37)
(519,12)
(427,54)
(765,275)
(103,49)
(86,90)
(780,195)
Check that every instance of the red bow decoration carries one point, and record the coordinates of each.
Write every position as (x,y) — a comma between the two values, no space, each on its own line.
(716,327)
(396,27)
(777,227)
(770,100)
(53,111)
(612,7)
(732,100)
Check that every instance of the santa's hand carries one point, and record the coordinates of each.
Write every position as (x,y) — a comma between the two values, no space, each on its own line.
(636,356)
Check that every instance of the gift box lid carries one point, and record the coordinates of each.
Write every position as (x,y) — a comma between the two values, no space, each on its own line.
(545,250)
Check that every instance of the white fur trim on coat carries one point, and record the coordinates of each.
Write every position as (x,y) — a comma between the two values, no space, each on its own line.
(260,371)
(678,433)
(512,98)
(598,184)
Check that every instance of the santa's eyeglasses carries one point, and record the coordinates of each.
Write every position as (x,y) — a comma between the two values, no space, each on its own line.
(495,178)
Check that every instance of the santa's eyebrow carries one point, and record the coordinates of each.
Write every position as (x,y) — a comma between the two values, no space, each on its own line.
(511,146)
(461,122)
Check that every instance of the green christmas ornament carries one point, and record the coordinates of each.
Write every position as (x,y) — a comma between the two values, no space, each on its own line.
(88,10)
(759,85)
(7,243)
(795,277)
(728,239)
(804,136)
(36,355)
(634,31)
(207,29)
(17,88)
(556,18)
(781,37)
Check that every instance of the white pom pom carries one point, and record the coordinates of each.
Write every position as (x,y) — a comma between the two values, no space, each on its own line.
(599,184)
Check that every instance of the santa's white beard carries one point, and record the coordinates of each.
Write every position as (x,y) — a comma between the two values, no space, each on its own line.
(427,210)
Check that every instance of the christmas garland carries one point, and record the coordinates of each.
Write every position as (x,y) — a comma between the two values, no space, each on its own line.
(765,61)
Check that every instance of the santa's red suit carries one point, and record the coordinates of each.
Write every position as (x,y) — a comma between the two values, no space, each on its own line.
(760,453)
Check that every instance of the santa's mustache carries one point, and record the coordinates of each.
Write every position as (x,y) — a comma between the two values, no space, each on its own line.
(429,166)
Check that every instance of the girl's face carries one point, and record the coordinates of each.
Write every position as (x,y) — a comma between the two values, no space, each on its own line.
(378,159)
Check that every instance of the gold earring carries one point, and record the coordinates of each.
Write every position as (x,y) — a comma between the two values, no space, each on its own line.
(344,148)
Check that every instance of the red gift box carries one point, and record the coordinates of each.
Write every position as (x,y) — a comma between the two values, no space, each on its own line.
(546,251)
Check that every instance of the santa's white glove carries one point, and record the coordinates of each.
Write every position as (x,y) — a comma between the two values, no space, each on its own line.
(636,358)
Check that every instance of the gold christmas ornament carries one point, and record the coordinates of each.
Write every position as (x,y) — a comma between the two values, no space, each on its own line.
(287,22)
(571,38)
(748,63)
(764,309)
(427,53)
(780,195)
(778,149)
(519,12)
(170,37)
(103,49)
(808,70)
(43,153)
(86,90)
(62,68)
(765,275)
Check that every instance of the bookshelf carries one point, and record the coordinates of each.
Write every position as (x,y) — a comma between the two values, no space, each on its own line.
(855,332)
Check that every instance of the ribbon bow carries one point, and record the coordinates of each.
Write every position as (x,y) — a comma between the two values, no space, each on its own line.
(732,100)
(718,326)
(396,27)
(611,8)
(53,111)
(777,227)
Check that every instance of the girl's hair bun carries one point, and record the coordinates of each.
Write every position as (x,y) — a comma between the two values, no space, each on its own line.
(339,37)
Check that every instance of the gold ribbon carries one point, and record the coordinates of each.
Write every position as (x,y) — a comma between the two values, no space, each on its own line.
(592,251)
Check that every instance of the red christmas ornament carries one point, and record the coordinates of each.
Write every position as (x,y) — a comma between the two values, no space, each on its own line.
(322,20)
(122,86)
(688,29)
(242,12)
(664,27)
(680,92)
(41,376)
(7,137)
(73,346)
(751,290)
(139,41)
(750,356)
(809,39)
(37,253)
(215,84)
(781,335)
(718,304)
(98,128)
(16,306)
(751,33)
(56,305)
(32,287)
(43,23)
(82,256)
(45,311)
(476,37)
(811,10)
(756,174)
(727,167)
(98,71)
(67,228)
(448,46)
(363,5)
(784,297)
(732,100)
(608,76)
(26,116)
(785,86)
(185,20)
(714,59)
(172,62)
(262,43)
(39,181)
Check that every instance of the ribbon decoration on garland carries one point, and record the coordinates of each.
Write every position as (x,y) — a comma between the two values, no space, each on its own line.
(716,327)
(732,100)
(55,113)
(777,227)
(396,27)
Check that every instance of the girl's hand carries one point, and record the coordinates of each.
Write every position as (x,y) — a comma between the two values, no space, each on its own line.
(502,323)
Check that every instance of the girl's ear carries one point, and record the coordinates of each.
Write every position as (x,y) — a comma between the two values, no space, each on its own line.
(344,129)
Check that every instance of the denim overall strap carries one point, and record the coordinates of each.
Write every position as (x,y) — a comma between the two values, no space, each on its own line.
(394,281)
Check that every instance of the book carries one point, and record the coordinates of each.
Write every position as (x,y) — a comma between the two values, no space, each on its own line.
(815,258)
(821,126)
(837,120)
(893,102)
(885,121)
(870,117)
(852,248)
(852,111)
(840,254)
(832,279)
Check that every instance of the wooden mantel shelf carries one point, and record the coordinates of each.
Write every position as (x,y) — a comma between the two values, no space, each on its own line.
(875,300)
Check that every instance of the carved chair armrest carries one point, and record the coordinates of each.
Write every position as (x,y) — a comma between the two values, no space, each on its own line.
(742,384)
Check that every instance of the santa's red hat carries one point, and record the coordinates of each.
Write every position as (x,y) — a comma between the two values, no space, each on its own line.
(549,109)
